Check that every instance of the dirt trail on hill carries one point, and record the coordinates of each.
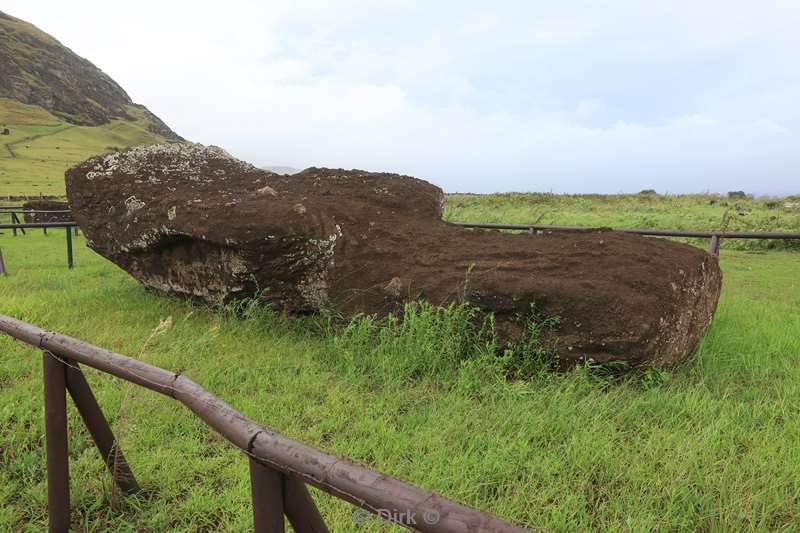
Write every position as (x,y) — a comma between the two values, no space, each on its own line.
(32,138)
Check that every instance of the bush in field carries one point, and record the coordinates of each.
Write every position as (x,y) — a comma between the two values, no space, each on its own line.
(737,195)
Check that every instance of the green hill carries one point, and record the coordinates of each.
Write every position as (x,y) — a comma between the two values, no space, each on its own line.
(56,109)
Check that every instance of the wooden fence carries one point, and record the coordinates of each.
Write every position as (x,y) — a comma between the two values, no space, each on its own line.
(280,467)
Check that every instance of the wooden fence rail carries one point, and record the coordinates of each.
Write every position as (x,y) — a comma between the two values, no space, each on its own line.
(280,467)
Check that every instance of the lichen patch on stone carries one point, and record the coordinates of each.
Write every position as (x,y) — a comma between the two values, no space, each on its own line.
(133,204)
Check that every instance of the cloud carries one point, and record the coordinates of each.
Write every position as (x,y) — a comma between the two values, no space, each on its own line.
(570,96)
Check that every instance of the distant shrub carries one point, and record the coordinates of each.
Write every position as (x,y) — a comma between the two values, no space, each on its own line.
(737,195)
(648,192)
(772,204)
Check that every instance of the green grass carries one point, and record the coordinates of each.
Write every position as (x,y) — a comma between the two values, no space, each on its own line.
(710,445)
(688,211)
(41,147)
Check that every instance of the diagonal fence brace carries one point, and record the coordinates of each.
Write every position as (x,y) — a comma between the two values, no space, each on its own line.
(99,428)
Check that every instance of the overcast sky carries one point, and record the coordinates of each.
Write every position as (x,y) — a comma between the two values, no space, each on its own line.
(568,96)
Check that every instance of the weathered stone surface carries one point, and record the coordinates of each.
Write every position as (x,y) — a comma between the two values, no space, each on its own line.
(192,220)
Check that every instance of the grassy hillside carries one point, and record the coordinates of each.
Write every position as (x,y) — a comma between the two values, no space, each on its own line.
(710,445)
(36,69)
(41,146)
(59,109)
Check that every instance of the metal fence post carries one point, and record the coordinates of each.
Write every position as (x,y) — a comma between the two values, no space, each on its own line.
(55,423)
(69,247)
(266,488)
(17,221)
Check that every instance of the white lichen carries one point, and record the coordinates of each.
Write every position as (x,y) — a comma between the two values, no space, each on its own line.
(313,288)
(133,204)
(184,158)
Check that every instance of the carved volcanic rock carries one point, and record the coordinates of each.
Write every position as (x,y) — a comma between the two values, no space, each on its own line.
(192,220)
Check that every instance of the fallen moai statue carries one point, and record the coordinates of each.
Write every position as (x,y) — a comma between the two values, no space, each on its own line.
(192,220)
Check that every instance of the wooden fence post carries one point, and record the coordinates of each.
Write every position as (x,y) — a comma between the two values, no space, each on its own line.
(55,423)
(2,264)
(266,488)
(300,508)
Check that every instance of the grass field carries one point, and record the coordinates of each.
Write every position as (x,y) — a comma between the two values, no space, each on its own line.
(40,146)
(710,445)
(688,211)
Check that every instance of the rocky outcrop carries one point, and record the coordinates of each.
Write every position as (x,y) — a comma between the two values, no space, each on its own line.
(192,220)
